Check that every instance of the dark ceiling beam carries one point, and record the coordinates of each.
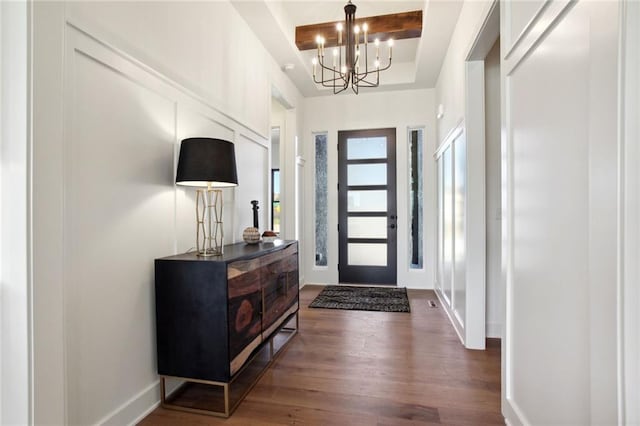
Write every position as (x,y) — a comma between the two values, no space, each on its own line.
(396,26)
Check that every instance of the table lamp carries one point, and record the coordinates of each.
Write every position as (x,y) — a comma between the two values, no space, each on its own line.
(208,164)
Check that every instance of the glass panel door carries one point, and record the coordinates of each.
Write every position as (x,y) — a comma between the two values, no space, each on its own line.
(367,206)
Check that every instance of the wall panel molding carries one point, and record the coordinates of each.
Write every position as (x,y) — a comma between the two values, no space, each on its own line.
(84,44)
(549,14)
(184,114)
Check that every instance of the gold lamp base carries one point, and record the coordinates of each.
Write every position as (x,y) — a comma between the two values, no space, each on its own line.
(209,229)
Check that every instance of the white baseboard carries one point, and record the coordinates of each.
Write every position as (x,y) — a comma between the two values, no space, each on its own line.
(512,414)
(419,286)
(137,408)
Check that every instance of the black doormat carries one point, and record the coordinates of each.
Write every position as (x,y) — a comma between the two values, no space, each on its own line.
(362,299)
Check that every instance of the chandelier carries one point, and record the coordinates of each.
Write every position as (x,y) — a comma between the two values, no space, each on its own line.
(348,64)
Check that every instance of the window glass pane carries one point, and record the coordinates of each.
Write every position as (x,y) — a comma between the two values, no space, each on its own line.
(415,199)
(365,148)
(367,201)
(367,174)
(367,227)
(367,254)
(321,198)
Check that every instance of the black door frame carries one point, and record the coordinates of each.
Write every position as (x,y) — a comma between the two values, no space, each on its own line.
(367,274)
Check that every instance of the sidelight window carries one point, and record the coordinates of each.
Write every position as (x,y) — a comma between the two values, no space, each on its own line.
(416,196)
(320,141)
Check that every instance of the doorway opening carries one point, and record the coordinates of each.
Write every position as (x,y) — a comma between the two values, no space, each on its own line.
(468,281)
(275,208)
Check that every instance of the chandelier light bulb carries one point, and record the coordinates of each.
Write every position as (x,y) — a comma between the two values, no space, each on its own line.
(356,29)
(318,39)
(335,52)
(339,26)
(377,63)
(377,42)
(314,61)
(390,42)
(343,70)
(365,27)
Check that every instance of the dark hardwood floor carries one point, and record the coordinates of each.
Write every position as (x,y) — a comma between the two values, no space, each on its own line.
(369,368)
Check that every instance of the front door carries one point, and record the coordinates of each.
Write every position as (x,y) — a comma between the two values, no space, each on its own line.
(367,206)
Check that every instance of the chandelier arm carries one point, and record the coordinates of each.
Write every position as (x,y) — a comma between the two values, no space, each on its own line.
(362,79)
(344,87)
(330,83)
(365,83)
(324,67)
(325,83)
(387,67)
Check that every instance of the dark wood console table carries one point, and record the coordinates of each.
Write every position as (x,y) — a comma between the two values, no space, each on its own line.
(221,321)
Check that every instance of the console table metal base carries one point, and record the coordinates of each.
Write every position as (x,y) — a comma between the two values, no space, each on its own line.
(222,398)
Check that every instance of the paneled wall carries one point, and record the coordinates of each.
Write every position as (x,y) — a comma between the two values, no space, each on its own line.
(452,188)
(118,85)
(560,167)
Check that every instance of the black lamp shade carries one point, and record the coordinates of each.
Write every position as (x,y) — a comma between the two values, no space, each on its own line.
(206,161)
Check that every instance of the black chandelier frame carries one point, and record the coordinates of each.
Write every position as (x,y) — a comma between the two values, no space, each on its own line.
(341,76)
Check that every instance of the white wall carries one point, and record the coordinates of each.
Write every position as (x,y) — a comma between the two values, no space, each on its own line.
(401,109)
(450,88)
(117,86)
(14,223)
(495,290)
(560,191)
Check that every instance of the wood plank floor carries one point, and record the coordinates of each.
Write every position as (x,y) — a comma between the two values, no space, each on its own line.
(369,368)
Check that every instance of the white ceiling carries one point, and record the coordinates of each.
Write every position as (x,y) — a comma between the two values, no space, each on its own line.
(416,62)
